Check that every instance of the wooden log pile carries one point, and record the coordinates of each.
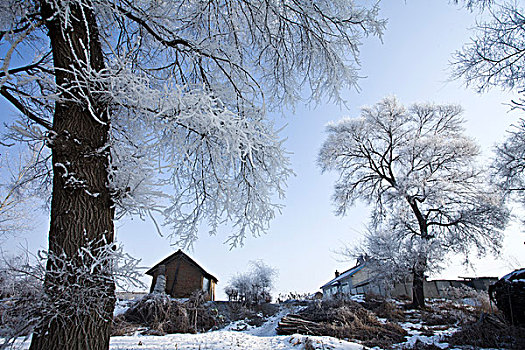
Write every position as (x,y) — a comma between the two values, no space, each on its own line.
(295,324)
(343,320)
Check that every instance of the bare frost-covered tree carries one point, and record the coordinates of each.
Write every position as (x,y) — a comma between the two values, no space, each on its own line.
(417,169)
(159,107)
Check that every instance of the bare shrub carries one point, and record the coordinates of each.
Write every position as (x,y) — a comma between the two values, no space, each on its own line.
(21,298)
(202,317)
(383,308)
(478,299)
(448,313)
(121,327)
(253,315)
(490,331)
(162,314)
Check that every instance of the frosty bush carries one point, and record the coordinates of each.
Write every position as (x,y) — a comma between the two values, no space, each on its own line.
(164,315)
(20,297)
(254,286)
(24,303)
(470,296)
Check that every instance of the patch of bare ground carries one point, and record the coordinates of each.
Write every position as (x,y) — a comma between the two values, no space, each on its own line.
(419,345)
(344,320)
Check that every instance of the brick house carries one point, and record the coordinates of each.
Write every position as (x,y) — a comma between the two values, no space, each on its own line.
(183,276)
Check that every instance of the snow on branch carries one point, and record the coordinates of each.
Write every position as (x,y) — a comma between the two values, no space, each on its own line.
(185,87)
(509,163)
(496,54)
(180,152)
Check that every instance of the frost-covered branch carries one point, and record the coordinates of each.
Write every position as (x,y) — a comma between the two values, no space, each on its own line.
(509,163)
(188,85)
(19,186)
(496,55)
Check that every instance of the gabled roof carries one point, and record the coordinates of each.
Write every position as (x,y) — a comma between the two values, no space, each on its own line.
(347,274)
(179,254)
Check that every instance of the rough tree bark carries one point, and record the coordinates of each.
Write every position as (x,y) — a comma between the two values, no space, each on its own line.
(81,208)
(420,266)
(418,294)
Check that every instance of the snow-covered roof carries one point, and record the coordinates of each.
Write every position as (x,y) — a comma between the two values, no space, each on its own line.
(347,274)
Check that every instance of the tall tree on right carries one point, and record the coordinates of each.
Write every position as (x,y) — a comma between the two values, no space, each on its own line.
(417,169)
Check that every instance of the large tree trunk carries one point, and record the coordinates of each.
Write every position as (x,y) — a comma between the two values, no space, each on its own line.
(418,294)
(80,301)
(420,265)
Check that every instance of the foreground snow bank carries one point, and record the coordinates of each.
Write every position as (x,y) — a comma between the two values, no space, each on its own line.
(220,340)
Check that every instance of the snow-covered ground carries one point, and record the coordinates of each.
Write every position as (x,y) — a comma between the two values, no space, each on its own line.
(236,336)
(222,340)
(415,336)
(239,336)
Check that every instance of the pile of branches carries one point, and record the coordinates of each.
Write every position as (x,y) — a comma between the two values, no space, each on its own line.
(490,331)
(160,314)
(344,320)
(383,308)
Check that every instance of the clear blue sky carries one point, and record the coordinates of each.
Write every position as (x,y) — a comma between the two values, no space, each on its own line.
(412,63)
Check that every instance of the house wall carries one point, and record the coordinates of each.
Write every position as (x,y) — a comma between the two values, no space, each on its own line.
(360,277)
(189,278)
